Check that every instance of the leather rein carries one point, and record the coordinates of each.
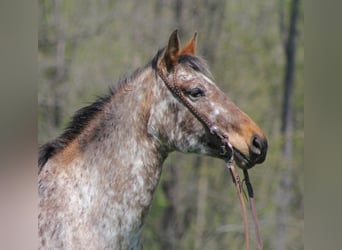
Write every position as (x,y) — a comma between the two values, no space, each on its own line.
(227,147)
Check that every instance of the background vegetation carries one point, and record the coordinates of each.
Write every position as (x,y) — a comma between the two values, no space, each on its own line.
(255,50)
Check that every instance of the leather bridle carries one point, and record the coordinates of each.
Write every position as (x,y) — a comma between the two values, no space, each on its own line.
(227,147)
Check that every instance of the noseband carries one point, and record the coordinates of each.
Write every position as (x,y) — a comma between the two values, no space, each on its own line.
(227,147)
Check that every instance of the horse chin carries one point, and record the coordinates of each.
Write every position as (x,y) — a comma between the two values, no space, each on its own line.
(218,150)
(241,160)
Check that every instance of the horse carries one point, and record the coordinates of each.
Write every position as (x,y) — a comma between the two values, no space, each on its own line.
(96,181)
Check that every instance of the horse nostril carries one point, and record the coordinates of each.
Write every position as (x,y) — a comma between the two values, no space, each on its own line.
(257,145)
(258,149)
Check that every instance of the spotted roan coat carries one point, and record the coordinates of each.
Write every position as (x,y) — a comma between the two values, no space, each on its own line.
(97,180)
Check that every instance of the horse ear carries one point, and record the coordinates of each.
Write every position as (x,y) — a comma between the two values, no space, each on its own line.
(172,50)
(190,47)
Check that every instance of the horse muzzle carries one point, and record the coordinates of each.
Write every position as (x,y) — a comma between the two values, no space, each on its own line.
(257,153)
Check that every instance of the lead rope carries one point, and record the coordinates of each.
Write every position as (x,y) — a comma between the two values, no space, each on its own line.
(253,210)
(236,179)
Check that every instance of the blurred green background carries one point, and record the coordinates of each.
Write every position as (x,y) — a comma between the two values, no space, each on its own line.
(255,50)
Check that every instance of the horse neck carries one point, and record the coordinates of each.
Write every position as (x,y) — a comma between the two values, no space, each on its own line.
(120,166)
(123,150)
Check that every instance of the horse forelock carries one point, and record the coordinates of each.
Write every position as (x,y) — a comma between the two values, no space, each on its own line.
(195,62)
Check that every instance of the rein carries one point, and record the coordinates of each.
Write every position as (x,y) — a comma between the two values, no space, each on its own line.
(174,88)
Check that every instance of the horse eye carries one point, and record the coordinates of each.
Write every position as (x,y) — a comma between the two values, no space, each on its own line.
(195,92)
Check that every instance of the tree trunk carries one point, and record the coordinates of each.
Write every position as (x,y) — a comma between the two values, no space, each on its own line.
(215,11)
(283,197)
(60,63)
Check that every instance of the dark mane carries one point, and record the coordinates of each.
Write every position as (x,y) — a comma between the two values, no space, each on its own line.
(81,119)
(77,124)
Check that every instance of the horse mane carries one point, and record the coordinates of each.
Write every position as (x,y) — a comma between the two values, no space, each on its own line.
(77,124)
(84,116)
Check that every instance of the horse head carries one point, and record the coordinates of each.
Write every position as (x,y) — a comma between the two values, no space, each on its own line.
(192,104)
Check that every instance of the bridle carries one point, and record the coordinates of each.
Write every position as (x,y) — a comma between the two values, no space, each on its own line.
(227,147)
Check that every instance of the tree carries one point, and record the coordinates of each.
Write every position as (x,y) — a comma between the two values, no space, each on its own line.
(284,194)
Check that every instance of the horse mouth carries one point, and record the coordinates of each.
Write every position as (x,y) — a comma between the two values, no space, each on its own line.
(241,160)
(221,151)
